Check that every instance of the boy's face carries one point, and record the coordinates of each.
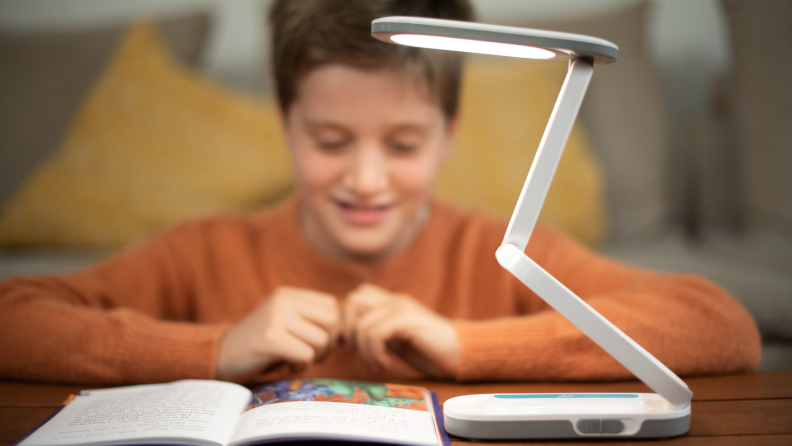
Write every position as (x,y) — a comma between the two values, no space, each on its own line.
(366,146)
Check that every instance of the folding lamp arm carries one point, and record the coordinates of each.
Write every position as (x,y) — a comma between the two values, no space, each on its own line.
(511,254)
(549,154)
(631,355)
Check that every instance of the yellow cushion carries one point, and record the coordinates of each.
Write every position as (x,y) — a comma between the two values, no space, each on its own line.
(152,144)
(506,104)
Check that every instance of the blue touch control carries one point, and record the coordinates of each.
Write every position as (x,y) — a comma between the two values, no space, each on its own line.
(564,395)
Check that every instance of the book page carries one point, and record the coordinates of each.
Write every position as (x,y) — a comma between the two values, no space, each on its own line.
(315,408)
(190,409)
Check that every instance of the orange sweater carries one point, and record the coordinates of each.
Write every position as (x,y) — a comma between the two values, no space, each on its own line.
(156,313)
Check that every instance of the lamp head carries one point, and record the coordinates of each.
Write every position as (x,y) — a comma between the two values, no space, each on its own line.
(497,40)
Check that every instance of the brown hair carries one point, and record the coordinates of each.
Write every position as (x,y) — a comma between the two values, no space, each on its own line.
(311,33)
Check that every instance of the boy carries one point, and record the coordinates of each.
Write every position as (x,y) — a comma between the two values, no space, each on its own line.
(361,253)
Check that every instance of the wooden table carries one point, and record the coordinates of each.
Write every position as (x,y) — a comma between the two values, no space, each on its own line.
(751,409)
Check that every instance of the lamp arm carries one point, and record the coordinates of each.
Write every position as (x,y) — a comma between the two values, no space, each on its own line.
(548,154)
(511,254)
(631,355)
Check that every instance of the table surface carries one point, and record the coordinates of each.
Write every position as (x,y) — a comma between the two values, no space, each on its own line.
(753,408)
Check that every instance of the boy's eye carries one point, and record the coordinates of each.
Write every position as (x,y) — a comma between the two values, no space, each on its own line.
(332,144)
(330,138)
(406,140)
(404,148)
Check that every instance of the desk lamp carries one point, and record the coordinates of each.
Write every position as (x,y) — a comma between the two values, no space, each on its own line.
(575,415)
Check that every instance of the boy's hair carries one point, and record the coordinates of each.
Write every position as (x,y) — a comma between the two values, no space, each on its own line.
(311,33)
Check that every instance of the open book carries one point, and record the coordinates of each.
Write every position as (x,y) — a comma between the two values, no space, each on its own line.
(197,412)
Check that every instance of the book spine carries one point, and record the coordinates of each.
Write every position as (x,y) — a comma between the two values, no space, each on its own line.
(438,413)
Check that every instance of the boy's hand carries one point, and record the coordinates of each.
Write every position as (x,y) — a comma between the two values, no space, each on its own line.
(381,324)
(292,326)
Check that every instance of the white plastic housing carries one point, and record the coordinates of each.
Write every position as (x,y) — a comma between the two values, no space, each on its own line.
(631,409)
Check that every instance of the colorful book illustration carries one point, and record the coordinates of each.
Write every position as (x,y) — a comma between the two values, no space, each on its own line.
(197,412)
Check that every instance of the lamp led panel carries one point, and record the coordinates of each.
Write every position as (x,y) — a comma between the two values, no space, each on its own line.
(473,46)
(481,38)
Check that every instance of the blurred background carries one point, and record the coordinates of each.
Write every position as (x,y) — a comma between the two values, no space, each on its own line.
(120,118)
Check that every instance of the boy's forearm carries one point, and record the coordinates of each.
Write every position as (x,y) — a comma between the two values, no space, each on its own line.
(45,339)
(688,323)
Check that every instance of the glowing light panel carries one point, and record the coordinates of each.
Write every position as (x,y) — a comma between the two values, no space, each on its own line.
(472,46)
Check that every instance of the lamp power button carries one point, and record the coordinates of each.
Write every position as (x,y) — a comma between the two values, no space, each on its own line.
(600,425)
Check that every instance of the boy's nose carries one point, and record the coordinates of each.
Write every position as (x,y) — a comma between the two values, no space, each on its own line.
(367,173)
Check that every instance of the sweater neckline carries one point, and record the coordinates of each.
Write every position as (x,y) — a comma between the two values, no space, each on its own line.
(302,258)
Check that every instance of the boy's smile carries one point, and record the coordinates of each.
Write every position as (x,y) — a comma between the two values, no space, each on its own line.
(366,147)
(363,214)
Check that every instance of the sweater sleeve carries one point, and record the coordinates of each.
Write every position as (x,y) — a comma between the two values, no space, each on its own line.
(686,322)
(125,320)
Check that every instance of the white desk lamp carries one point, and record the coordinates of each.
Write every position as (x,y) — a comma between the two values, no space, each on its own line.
(579,415)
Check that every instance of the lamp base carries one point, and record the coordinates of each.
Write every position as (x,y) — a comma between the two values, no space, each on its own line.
(569,415)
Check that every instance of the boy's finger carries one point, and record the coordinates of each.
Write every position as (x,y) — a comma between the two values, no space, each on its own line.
(359,302)
(296,352)
(314,298)
(327,317)
(351,313)
(380,337)
(373,332)
(368,295)
(315,336)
